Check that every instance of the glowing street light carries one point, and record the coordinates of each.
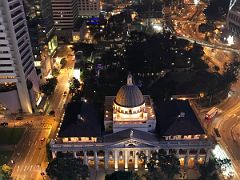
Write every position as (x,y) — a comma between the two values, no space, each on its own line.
(230,40)
(196,2)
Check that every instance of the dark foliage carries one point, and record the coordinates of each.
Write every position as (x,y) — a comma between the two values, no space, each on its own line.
(122,175)
(64,168)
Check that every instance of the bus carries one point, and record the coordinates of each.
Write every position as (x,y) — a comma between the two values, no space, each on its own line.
(210,114)
(217,134)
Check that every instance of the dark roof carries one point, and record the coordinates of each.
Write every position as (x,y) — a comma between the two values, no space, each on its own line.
(88,126)
(176,117)
(125,134)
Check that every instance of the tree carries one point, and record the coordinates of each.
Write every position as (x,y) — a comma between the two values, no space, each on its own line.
(203,28)
(122,175)
(216,10)
(5,172)
(74,85)
(49,87)
(231,72)
(86,48)
(161,162)
(155,174)
(63,168)
(209,170)
(63,62)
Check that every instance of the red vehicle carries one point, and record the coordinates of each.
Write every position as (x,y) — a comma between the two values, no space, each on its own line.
(210,114)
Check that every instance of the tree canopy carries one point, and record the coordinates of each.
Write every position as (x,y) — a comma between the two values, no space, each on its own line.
(49,87)
(217,9)
(159,162)
(5,172)
(70,168)
(209,170)
(122,175)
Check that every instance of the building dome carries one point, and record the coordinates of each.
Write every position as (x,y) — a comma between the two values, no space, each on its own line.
(129,95)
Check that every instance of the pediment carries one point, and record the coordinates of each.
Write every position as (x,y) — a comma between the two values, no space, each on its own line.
(132,143)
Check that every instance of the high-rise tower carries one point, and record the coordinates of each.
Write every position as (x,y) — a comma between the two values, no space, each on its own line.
(65,13)
(18,78)
(233,17)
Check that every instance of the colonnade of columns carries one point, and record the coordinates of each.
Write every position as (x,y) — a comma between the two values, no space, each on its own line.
(127,154)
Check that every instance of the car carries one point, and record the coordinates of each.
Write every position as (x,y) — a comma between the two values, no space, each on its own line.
(4,124)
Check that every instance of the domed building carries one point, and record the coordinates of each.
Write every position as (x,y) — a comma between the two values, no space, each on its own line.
(129,109)
(130,128)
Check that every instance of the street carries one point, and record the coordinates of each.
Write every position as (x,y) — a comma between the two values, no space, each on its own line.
(30,154)
(228,124)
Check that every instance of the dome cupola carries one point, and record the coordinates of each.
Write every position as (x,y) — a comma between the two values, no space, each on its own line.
(129,95)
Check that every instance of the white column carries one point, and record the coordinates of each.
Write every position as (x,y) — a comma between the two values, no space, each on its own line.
(106,160)
(96,160)
(74,154)
(136,161)
(167,151)
(125,160)
(207,155)
(54,154)
(147,155)
(197,157)
(186,159)
(115,160)
(177,153)
(85,158)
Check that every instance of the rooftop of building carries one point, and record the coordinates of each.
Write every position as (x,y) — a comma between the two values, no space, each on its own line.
(108,114)
(129,95)
(81,120)
(131,133)
(176,117)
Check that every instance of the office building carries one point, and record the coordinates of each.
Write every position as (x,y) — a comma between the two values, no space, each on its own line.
(65,13)
(18,78)
(89,8)
(42,34)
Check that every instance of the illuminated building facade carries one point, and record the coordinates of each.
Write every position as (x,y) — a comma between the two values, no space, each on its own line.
(42,34)
(131,128)
(89,7)
(18,78)
(129,109)
(65,13)
(233,17)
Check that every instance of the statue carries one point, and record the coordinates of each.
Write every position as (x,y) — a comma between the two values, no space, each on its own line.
(131,133)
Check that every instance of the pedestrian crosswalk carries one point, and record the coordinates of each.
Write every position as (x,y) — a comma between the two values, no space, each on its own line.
(28,168)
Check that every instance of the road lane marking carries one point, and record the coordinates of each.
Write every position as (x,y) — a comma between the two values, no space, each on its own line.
(25,167)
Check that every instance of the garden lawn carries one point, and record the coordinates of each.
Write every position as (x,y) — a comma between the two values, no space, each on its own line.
(10,136)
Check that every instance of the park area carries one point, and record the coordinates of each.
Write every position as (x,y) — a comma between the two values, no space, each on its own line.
(10,136)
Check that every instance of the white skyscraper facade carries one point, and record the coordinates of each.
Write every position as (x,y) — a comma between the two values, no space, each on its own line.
(233,17)
(18,78)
